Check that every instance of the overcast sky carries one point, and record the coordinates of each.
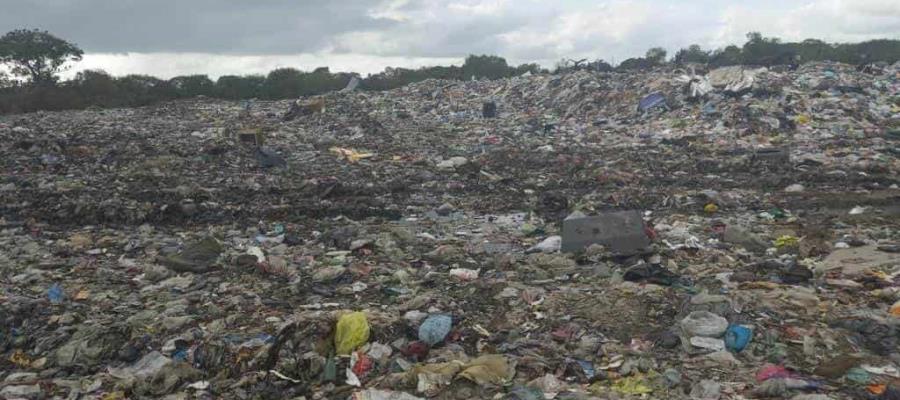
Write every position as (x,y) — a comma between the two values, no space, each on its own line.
(171,37)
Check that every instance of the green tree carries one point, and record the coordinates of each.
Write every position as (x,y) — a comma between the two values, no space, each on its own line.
(140,90)
(760,50)
(139,83)
(534,68)
(485,66)
(886,50)
(192,85)
(814,50)
(36,54)
(283,83)
(321,80)
(239,87)
(692,54)
(656,55)
(730,55)
(97,87)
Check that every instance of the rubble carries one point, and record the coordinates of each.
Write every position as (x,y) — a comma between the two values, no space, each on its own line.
(414,243)
(622,232)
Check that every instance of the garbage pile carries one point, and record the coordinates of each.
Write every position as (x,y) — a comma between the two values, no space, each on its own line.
(669,234)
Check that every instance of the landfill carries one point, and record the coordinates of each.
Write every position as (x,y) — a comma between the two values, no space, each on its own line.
(665,234)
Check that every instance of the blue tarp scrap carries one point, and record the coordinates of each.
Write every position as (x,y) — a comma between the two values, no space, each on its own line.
(652,100)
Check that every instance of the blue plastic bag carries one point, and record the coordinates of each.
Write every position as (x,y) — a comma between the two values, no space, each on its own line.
(737,337)
(435,329)
(652,100)
(56,294)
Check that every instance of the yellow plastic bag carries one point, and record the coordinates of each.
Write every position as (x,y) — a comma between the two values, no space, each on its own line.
(632,385)
(352,331)
(349,154)
(20,359)
(711,208)
(637,384)
(114,396)
(786,241)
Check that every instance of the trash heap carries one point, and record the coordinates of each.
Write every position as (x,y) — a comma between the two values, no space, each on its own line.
(671,234)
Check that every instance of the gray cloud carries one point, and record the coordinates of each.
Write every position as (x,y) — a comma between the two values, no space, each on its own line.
(214,26)
(228,36)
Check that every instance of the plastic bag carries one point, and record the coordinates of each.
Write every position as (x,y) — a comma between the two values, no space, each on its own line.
(56,294)
(704,323)
(352,331)
(350,154)
(489,369)
(435,329)
(737,337)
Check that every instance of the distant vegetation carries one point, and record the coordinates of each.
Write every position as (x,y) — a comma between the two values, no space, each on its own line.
(35,58)
(763,51)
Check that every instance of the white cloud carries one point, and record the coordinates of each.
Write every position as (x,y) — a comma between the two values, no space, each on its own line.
(368,35)
(392,10)
(480,7)
(603,30)
(829,20)
(873,8)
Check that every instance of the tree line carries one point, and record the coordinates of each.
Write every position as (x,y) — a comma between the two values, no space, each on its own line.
(37,57)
